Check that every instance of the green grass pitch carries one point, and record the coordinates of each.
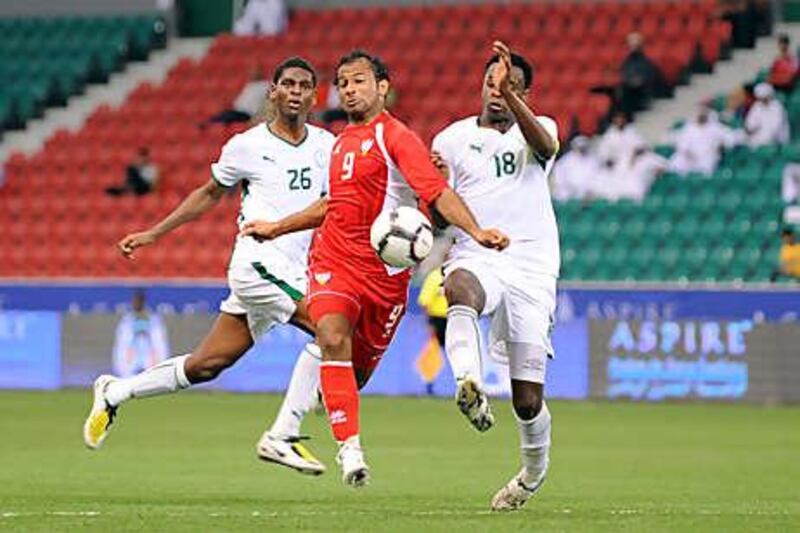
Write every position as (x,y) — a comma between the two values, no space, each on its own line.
(187,463)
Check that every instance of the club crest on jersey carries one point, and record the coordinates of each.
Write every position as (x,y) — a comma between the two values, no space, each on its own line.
(322,277)
(476,148)
(366,146)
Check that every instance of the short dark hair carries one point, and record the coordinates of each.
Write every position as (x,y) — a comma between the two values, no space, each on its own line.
(379,68)
(787,232)
(516,61)
(294,62)
(784,38)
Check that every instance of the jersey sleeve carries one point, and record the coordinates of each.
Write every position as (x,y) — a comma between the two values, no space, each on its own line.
(551,127)
(228,170)
(443,145)
(413,160)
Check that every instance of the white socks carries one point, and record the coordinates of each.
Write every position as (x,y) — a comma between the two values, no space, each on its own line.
(162,378)
(534,439)
(301,395)
(463,343)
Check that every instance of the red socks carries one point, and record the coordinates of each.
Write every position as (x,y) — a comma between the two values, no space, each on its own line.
(340,394)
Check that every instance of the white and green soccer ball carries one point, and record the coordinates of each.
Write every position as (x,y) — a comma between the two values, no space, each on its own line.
(402,237)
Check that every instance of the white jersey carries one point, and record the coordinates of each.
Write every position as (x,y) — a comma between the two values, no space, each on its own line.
(278,179)
(506,186)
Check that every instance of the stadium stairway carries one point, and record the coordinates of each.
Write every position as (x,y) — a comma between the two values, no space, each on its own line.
(656,123)
(115,92)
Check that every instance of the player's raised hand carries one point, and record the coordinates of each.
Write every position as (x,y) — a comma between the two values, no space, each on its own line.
(260,230)
(503,69)
(441,166)
(133,241)
(492,238)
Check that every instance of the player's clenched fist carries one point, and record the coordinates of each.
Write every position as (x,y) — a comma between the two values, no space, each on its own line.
(491,238)
(133,241)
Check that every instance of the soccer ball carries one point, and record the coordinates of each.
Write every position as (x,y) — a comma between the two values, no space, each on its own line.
(402,237)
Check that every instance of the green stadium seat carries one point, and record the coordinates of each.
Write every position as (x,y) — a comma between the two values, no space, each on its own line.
(52,59)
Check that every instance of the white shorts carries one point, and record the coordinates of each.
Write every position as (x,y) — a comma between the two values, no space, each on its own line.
(521,306)
(266,291)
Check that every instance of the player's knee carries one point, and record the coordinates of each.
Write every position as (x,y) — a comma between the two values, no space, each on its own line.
(527,402)
(333,343)
(459,289)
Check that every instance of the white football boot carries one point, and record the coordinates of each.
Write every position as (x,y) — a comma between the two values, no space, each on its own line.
(95,428)
(355,471)
(515,493)
(474,404)
(290,452)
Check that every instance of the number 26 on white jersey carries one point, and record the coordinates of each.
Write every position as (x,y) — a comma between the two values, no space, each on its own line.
(348,163)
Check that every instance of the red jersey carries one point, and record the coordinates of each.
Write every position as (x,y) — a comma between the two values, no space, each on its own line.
(374,167)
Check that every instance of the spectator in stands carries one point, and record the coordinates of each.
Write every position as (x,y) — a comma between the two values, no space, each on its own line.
(618,141)
(740,100)
(699,144)
(783,72)
(789,258)
(333,110)
(632,177)
(248,104)
(767,121)
(639,76)
(141,176)
(790,188)
(262,17)
(575,173)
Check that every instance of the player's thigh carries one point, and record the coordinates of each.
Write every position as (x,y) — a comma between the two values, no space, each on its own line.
(228,340)
(475,282)
(302,319)
(266,302)
(380,317)
(528,323)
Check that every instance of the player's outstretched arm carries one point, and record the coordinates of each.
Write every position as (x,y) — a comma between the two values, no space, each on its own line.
(195,204)
(537,136)
(309,218)
(455,211)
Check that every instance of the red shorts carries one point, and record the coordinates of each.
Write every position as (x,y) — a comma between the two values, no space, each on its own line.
(373,307)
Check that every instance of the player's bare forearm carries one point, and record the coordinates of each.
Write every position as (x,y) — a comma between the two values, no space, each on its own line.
(455,211)
(199,201)
(537,137)
(309,218)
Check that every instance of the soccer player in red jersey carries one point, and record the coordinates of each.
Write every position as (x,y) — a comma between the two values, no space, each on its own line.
(356,300)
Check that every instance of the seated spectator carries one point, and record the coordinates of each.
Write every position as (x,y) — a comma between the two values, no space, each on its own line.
(141,176)
(639,77)
(767,121)
(790,188)
(699,143)
(740,100)
(262,17)
(248,104)
(633,176)
(618,141)
(575,172)
(783,72)
(789,258)
(333,110)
